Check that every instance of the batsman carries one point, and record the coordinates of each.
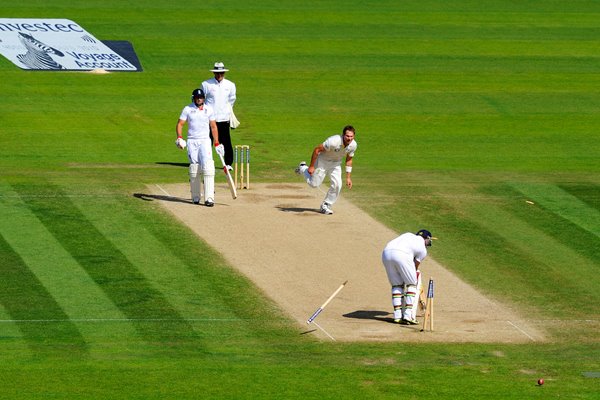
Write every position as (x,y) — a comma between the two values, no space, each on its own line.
(201,120)
(401,258)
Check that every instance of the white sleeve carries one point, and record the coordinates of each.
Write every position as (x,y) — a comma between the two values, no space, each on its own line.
(232,94)
(184,114)
(352,149)
(420,254)
(329,142)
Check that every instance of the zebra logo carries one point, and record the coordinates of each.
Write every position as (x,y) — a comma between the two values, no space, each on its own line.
(88,38)
(38,54)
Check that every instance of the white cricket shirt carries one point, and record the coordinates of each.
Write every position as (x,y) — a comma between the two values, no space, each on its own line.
(335,150)
(410,244)
(198,121)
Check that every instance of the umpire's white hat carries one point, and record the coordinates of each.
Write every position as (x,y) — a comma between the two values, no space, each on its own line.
(219,67)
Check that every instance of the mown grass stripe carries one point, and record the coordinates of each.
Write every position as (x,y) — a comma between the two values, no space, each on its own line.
(562,203)
(546,255)
(215,288)
(106,265)
(24,297)
(491,262)
(62,276)
(108,320)
(588,193)
(10,331)
(562,230)
(181,284)
(68,283)
(526,238)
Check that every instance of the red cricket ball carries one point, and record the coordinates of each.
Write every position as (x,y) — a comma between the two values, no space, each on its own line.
(541,381)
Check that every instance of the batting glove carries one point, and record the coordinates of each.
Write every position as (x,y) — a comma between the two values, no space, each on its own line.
(220,150)
(180,143)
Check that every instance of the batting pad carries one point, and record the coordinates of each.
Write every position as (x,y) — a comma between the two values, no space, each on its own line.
(194,181)
(208,171)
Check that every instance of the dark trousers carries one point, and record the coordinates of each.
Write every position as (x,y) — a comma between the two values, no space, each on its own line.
(225,140)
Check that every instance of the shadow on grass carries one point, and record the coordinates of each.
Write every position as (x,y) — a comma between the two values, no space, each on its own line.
(173,164)
(152,197)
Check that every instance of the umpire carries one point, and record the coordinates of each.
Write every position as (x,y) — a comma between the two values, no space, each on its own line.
(221,95)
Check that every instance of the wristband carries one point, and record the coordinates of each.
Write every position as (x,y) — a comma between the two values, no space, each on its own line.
(348,169)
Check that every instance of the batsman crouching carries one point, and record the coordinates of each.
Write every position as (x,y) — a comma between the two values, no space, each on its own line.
(401,258)
(326,161)
(200,119)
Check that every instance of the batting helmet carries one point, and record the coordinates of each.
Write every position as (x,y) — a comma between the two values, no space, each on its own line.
(425,234)
(198,93)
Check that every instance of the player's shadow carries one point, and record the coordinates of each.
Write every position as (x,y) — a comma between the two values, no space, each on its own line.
(152,197)
(298,209)
(173,164)
(368,314)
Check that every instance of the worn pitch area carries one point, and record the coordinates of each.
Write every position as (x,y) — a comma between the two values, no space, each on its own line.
(274,235)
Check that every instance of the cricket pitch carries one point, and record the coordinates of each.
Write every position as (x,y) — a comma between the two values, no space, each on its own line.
(275,236)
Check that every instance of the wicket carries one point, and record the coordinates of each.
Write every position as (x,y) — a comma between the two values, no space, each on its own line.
(241,158)
(312,318)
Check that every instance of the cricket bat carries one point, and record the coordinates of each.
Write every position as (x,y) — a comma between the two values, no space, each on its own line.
(229,178)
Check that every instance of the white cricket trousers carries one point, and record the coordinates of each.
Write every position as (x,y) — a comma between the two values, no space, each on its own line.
(402,274)
(201,161)
(400,267)
(323,169)
(199,151)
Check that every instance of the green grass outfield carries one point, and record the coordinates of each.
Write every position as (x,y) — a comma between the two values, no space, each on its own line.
(464,111)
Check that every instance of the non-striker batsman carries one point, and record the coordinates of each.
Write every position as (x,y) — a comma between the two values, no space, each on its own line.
(200,119)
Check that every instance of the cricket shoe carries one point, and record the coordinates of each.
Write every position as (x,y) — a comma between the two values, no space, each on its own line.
(300,168)
(410,322)
(398,321)
(209,203)
(196,200)
(325,209)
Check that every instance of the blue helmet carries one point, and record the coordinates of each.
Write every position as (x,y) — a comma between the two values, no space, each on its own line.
(425,234)
(198,93)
